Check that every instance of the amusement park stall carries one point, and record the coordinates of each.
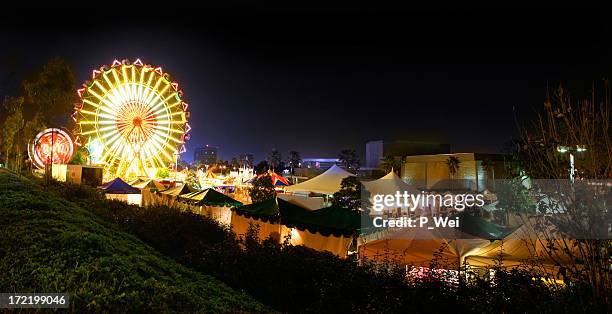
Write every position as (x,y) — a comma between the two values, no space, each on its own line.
(118,189)
(210,203)
(327,229)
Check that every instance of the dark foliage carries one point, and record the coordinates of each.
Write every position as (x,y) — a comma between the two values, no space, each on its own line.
(349,195)
(298,279)
(51,244)
(262,189)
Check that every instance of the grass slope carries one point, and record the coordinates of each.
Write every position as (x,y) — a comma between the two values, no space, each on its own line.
(48,244)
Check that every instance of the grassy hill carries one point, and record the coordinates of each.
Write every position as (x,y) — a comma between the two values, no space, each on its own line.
(48,244)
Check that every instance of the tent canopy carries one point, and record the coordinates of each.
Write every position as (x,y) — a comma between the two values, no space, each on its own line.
(277,180)
(212,197)
(326,183)
(419,246)
(209,197)
(326,221)
(329,220)
(177,190)
(532,241)
(389,184)
(149,184)
(118,186)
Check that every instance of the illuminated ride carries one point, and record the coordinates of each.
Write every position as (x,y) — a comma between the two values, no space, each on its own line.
(51,146)
(131,119)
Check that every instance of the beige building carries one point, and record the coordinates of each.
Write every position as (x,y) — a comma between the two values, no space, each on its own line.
(431,172)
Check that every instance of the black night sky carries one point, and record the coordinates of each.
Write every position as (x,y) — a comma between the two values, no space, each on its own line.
(318,81)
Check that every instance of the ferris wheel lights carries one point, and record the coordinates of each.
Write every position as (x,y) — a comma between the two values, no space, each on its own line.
(133,116)
(185,106)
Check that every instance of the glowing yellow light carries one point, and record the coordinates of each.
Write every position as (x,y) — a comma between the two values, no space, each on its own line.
(134,118)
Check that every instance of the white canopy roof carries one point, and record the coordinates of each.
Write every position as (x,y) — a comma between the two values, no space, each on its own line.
(389,184)
(326,183)
(419,246)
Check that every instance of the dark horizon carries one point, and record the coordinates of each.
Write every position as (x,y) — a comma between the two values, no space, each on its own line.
(318,81)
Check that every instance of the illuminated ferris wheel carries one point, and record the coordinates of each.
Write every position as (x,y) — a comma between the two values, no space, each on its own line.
(131,119)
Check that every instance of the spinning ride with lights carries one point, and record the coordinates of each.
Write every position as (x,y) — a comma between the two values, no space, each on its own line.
(131,119)
(50,146)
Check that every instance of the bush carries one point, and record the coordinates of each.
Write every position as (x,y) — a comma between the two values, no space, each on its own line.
(298,279)
(49,244)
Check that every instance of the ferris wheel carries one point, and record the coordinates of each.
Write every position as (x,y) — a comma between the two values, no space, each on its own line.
(131,119)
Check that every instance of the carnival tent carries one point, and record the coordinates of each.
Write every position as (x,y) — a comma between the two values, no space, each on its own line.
(149,184)
(211,203)
(389,184)
(537,242)
(277,180)
(169,196)
(326,183)
(328,229)
(148,188)
(118,186)
(422,246)
(117,189)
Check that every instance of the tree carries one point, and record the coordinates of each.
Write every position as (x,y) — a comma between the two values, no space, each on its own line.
(581,127)
(162,173)
(262,167)
(79,158)
(349,160)
(453,167)
(51,90)
(389,163)
(234,163)
(13,124)
(488,166)
(262,189)
(294,160)
(275,159)
(349,195)
(192,180)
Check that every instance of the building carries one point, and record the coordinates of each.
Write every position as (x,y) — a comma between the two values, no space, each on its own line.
(78,174)
(431,172)
(206,155)
(376,150)
(246,160)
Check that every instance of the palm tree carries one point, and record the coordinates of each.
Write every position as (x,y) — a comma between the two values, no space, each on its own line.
(275,159)
(453,167)
(350,160)
(488,165)
(294,160)
(389,163)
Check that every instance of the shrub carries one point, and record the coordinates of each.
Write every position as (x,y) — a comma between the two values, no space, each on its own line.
(49,244)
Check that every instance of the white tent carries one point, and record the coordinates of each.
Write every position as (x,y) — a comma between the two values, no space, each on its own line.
(536,242)
(389,184)
(326,183)
(419,246)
